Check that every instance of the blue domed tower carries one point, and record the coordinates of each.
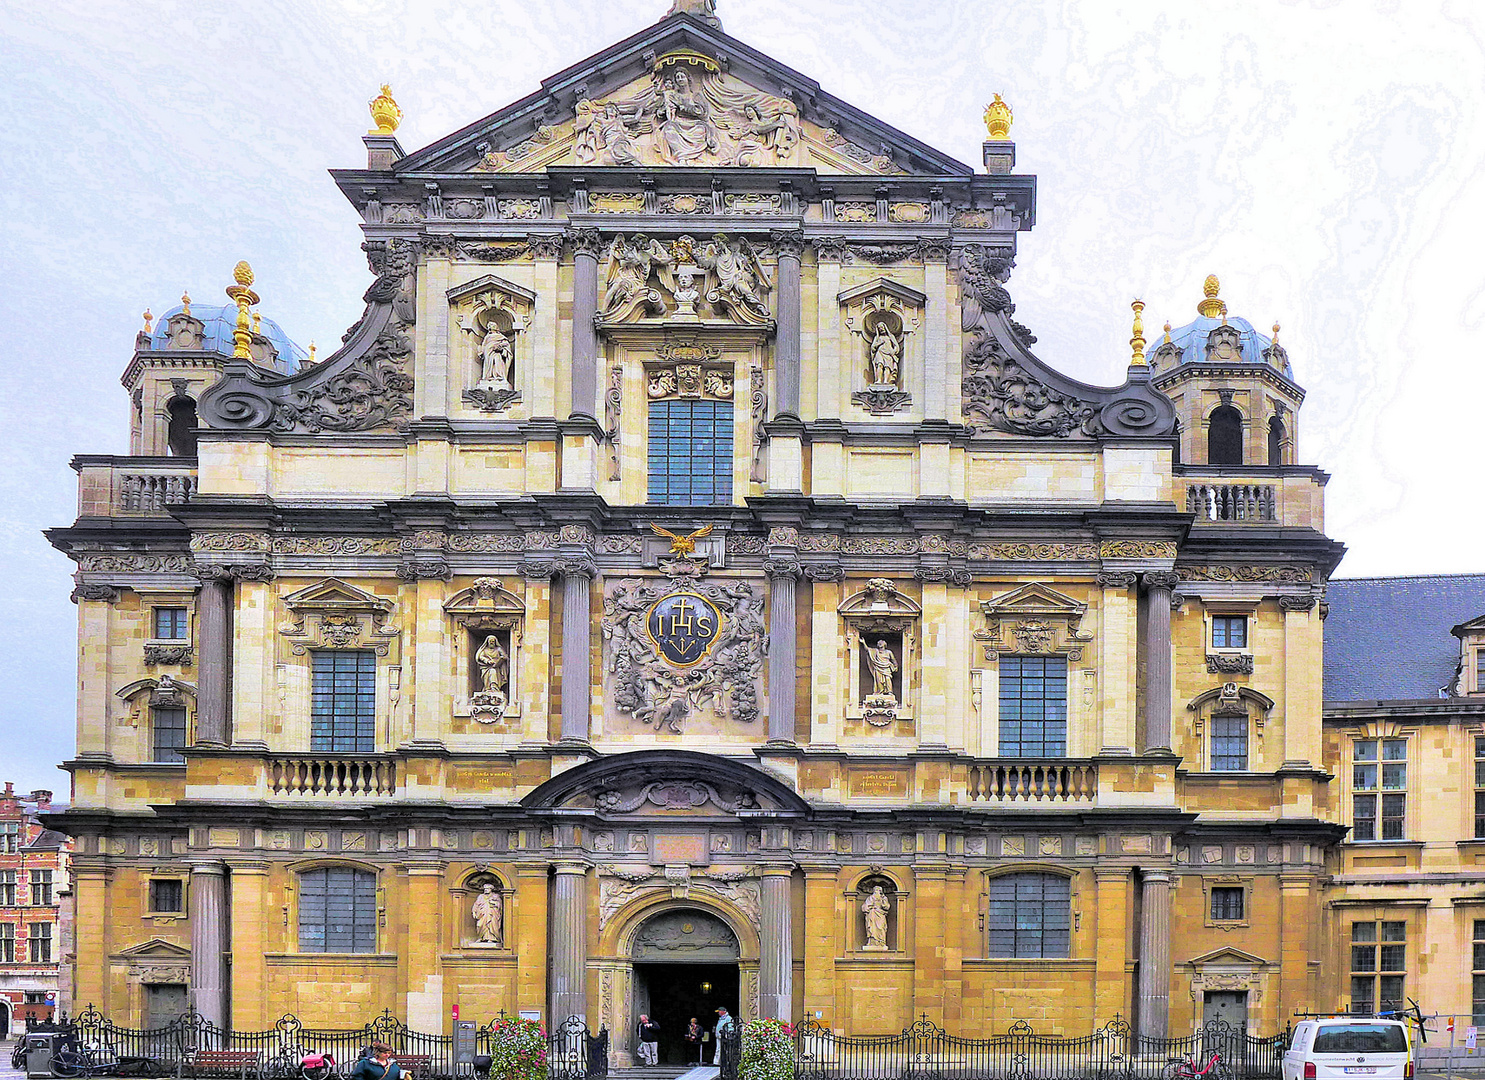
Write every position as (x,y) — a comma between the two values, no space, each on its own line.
(179,356)
(1236,400)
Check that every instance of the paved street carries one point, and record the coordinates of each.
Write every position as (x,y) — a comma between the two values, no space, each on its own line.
(6,1072)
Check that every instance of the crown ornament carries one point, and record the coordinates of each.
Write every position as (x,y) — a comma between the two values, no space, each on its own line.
(384,112)
(998,119)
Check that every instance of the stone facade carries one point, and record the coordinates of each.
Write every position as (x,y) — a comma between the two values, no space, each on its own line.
(757,706)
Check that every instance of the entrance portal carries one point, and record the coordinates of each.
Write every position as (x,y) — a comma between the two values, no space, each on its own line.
(685,965)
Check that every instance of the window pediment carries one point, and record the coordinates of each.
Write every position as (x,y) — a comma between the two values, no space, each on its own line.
(332,614)
(880,599)
(1033,618)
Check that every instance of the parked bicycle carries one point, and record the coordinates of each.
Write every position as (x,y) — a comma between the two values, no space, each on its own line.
(1192,1069)
(84,1061)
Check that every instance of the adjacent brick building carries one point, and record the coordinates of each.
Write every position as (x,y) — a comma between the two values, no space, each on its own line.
(33,879)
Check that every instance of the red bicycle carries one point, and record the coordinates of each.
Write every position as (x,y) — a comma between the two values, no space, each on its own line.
(1188,1069)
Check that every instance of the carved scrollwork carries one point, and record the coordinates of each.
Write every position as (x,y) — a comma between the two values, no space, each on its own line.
(106,594)
(1161,579)
(823,571)
(1229,664)
(168,654)
(758,409)
(1296,603)
(1116,579)
(421,569)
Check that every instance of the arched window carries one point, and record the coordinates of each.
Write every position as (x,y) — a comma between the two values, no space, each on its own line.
(181,434)
(1030,916)
(1225,436)
(1276,435)
(337,910)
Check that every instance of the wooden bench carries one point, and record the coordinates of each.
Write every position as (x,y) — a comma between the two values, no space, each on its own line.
(219,1063)
(419,1065)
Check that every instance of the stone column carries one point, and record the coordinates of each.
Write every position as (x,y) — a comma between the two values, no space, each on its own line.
(1158,587)
(776,945)
(209,937)
(577,677)
(214,624)
(789,245)
(585,245)
(783,619)
(569,943)
(1155,970)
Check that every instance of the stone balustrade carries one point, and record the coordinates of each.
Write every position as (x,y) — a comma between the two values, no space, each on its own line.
(153,493)
(110,486)
(334,776)
(1240,502)
(1021,780)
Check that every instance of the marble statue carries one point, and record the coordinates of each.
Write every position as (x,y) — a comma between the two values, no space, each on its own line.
(883,665)
(874,910)
(494,664)
(683,118)
(488,911)
(495,359)
(886,356)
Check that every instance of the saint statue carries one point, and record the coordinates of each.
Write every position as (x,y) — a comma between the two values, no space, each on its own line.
(874,911)
(683,118)
(495,358)
(886,356)
(488,911)
(494,665)
(883,666)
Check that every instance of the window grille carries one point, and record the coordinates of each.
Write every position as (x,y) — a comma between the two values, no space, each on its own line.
(1030,916)
(1033,706)
(1227,903)
(344,702)
(690,448)
(337,910)
(167,896)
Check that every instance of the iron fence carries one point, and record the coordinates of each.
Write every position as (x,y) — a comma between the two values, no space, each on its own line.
(925,1051)
(573,1052)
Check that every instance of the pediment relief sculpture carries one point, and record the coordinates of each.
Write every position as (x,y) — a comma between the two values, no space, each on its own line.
(493,315)
(335,615)
(678,646)
(685,280)
(1033,618)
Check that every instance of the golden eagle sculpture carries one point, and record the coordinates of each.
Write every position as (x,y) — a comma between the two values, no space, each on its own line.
(682,545)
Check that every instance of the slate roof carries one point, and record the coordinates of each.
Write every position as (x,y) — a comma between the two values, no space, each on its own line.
(47,840)
(1388,639)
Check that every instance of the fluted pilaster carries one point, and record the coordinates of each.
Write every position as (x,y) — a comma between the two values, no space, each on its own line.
(1155,971)
(1158,660)
(569,943)
(214,625)
(776,956)
(577,676)
(584,332)
(790,246)
(782,628)
(209,941)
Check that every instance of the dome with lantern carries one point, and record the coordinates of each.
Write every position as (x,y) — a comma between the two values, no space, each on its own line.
(209,328)
(1217,337)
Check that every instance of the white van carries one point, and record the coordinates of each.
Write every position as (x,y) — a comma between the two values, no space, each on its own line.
(1346,1047)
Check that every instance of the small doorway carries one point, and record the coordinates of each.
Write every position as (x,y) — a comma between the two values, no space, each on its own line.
(671,994)
(164,1003)
(1228,1006)
(4,1019)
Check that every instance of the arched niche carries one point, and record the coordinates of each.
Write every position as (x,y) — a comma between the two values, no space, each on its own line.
(882,631)
(486,653)
(1225,436)
(483,900)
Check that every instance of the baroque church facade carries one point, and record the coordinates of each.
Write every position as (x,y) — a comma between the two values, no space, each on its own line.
(686,574)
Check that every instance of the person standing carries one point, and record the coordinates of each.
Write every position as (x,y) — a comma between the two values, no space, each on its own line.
(649,1040)
(724,1029)
(694,1033)
(377,1065)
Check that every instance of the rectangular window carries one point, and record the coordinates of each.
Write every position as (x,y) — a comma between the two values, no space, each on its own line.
(1477,965)
(10,837)
(167,896)
(1033,706)
(1480,671)
(7,888)
(171,624)
(41,888)
(690,452)
(7,943)
(1379,789)
(1480,786)
(1378,966)
(1229,743)
(1227,903)
(344,702)
(337,910)
(170,733)
(40,936)
(1029,916)
(1229,631)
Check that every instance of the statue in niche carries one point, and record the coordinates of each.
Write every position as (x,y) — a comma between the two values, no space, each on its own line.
(494,664)
(874,911)
(496,355)
(883,665)
(885,350)
(489,912)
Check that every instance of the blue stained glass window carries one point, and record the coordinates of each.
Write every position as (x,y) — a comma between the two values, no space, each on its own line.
(1033,706)
(343,719)
(690,453)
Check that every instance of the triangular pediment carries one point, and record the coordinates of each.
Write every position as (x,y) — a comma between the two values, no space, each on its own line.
(1473,626)
(336,594)
(1227,957)
(681,94)
(1033,599)
(155,949)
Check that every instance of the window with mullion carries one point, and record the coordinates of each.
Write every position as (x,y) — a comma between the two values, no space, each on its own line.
(169,733)
(1229,743)
(1378,965)
(1033,706)
(1029,916)
(7,943)
(1229,632)
(337,910)
(1477,966)
(171,624)
(1379,781)
(343,701)
(690,453)
(1479,787)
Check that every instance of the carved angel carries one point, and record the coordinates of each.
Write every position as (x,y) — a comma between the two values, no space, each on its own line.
(740,278)
(589,132)
(628,274)
(764,140)
(617,136)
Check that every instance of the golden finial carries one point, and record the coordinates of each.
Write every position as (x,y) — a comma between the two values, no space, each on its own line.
(1276,333)
(384,112)
(1167,333)
(1137,342)
(998,119)
(1211,306)
(242,337)
(311,360)
(185,303)
(148,318)
(257,322)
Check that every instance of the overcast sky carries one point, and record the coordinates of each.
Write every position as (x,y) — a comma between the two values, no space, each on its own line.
(1325,159)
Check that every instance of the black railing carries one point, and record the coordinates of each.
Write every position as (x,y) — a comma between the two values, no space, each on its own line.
(573,1053)
(925,1051)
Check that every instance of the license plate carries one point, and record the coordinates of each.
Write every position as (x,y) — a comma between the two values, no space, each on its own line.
(1360,1070)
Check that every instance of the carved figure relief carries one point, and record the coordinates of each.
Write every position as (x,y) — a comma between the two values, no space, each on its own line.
(488,910)
(493,315)
(1033,619)
(881,642)
(679,645)
(882,315)
(333,614)
(685,280)
(487,651)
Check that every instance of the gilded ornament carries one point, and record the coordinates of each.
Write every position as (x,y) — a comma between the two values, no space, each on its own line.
(1137,341)
(384,112)
(682,545)
(998,119)
(1211,306)
(244,297)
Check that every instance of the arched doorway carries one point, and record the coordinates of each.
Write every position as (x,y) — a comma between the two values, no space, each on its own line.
(685,965)
(4,1019)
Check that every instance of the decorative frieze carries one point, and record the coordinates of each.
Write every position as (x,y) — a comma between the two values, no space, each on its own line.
(1229,664)
(1245,573)
(1022,552)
